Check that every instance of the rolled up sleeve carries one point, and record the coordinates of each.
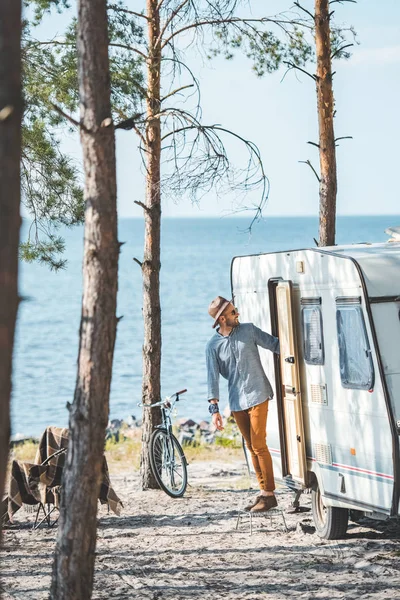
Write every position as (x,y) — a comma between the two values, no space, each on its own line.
(212,374)
(266,340)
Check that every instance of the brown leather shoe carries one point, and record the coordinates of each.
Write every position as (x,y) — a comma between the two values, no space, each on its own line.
(264,504)
(252,503)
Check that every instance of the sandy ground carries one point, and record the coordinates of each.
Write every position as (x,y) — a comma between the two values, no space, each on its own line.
(189,548)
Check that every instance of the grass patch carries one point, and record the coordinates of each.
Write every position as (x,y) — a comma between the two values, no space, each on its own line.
(205,452)
(25,451)
(124,454)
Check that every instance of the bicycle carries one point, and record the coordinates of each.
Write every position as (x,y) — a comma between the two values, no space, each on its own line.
(167,459)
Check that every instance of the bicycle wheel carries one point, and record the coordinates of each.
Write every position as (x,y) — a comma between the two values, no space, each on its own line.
(168,463)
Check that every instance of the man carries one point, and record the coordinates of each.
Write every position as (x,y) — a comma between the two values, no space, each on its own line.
(233,353)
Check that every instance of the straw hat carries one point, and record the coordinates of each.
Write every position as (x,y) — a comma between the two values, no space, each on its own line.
(217,307)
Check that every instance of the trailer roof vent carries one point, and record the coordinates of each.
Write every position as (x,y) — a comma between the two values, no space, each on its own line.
(323,453)
(318,394)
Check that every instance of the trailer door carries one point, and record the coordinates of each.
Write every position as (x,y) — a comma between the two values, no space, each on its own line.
(291,396)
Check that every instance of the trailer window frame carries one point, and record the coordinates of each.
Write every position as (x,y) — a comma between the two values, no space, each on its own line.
(315,307)
(349,353)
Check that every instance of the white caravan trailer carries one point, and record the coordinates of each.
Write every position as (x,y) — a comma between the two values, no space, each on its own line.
(334,427)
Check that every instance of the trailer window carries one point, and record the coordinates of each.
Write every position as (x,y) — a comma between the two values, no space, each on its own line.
(356,367)
(312,335)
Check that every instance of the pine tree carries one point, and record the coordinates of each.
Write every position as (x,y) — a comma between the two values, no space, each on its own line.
(76,539)
(10,154)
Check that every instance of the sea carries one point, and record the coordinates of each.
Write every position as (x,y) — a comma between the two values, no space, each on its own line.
(196,260)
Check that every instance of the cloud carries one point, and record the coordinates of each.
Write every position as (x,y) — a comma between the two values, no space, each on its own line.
(375,56)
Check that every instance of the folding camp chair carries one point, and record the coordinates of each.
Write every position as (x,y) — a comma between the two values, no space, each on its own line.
(49,475)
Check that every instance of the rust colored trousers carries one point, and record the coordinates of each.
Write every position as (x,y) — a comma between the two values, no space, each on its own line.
(252,424)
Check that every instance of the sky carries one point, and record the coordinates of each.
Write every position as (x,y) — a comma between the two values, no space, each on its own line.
(279,115)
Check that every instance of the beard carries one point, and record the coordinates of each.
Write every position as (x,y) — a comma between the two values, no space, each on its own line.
(233,323)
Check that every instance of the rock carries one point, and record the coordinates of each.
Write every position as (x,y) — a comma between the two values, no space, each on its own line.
(19,439)
(115,424)
(131,421)
(304,528)
(186,424)
(187,438)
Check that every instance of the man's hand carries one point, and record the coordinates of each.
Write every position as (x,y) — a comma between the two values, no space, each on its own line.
(218,422)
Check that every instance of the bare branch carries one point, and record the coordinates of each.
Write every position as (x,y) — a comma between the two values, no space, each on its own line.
(52,43)
(178,63)
(184,87)
(141,136)
(345,137)
(308,162)
(342,1)
(118,8)
(305,10)
(131,49)
(293,66)
(314,144)
(169,20)
(340,50)
(141,205)
(138,262)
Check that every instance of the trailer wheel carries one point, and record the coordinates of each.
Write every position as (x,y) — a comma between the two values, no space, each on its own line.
(356,515)
(330,522)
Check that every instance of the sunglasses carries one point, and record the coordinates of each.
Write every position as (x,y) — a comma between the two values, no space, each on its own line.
(232,313)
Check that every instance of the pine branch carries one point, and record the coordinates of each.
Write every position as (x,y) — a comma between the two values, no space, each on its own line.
(228,21)
(68,117)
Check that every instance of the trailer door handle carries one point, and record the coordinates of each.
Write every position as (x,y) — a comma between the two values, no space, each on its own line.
(290,359)
(290,390)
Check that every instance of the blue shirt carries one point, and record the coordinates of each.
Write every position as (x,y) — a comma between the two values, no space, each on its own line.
(237,359)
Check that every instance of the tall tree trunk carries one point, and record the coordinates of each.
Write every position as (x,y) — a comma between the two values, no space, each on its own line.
(151,389)
(76,540)
(327,149)
(10,156)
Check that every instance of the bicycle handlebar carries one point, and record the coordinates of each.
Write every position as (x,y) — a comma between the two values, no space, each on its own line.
(163,402)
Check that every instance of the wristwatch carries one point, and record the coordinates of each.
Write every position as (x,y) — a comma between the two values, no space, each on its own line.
(213,408)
